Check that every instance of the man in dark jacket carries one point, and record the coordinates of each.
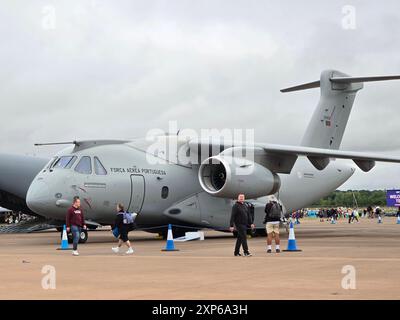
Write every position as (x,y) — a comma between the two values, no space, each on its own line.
(240,220)
(75,222)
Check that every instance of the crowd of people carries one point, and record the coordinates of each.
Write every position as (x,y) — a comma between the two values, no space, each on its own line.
(351,214)
(298,214)
(14,217)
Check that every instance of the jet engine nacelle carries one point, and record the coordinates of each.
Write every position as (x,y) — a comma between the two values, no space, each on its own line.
(226,177)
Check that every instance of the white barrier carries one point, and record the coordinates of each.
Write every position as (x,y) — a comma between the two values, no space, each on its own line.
(190,236)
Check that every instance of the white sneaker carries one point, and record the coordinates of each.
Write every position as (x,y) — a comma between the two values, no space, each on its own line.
(130,251)
(75,253)
(115,249)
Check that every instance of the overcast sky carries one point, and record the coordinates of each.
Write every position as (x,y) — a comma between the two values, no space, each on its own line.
(116,69)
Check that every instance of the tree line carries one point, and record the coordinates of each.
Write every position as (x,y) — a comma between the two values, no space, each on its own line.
(347,198)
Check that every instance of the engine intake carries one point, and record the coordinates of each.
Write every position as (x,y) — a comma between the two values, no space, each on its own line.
(226,177)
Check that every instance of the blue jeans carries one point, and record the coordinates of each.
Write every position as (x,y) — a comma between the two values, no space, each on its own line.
(76,233)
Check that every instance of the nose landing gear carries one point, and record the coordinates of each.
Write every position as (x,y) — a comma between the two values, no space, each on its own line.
(83,237)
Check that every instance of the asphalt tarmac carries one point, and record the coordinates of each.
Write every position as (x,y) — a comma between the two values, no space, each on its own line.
(364,256)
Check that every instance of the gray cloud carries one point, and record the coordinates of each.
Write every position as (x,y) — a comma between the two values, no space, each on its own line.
(116,70)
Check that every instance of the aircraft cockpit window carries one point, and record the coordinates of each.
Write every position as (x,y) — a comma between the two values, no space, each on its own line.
(84,166)
(99,168)
(71,163)
(51,162)
(64,162)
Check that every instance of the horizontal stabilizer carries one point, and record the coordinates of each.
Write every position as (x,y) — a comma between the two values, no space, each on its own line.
(341,80)
(363,79)
(305,86)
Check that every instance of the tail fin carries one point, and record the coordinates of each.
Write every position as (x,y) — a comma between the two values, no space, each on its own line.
(338,92)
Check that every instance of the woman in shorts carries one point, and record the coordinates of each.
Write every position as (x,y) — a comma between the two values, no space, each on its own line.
(123,229)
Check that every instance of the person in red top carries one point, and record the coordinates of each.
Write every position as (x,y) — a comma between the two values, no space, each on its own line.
(75,222)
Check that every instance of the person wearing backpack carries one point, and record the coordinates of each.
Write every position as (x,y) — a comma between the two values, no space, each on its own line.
(273,216)
(124,223)
(251,209)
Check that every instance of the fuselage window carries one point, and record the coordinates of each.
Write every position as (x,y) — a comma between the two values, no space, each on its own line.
(64,162)
(84,166)
(164,192)
(99,168)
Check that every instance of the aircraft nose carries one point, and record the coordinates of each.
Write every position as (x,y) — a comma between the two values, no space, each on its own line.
(38,196)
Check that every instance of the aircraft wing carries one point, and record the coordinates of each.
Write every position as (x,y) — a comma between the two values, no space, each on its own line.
(281,158)
(320,158)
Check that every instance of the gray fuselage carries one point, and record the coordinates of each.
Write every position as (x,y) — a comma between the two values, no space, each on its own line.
(165,192)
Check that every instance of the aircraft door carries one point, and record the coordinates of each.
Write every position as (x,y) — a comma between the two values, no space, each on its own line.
(137,193)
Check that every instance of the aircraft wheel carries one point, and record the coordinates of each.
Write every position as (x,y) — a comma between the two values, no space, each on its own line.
(83,237)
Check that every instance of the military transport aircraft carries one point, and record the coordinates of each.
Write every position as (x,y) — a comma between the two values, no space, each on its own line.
(194,187)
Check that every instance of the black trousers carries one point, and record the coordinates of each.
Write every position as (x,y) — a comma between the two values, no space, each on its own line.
(241,239)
